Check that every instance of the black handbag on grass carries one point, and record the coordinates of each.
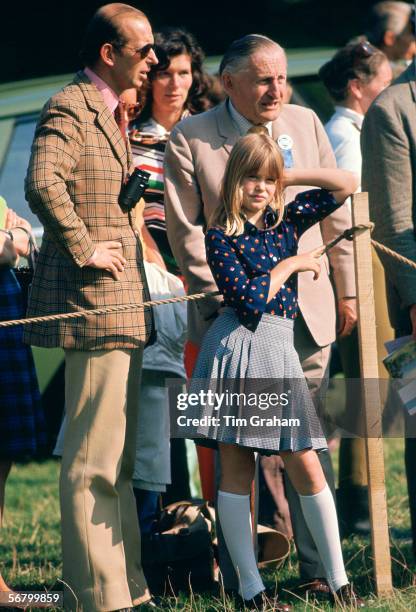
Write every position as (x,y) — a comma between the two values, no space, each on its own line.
(178,555)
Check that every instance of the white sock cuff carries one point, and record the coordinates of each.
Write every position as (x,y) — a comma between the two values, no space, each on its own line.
(235,496)
(324,491)
(337,579)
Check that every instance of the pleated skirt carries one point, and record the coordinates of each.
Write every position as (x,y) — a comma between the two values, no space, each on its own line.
(251,389)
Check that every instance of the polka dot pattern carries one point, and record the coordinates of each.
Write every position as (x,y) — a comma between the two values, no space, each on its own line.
(241,265)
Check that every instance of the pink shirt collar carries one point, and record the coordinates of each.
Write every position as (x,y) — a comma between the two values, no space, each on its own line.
(110,98)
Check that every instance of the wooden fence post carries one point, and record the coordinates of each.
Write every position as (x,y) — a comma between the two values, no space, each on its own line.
(371,399)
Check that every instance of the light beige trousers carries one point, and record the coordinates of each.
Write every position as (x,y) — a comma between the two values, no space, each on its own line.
(100,533)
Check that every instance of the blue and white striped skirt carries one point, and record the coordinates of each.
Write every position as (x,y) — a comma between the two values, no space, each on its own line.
(251,389)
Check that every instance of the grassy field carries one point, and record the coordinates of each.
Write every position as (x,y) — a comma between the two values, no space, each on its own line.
(30,557)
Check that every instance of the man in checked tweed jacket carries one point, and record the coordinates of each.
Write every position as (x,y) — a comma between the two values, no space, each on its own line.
(91,257)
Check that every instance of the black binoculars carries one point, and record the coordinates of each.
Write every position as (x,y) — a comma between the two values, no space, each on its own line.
(133,189)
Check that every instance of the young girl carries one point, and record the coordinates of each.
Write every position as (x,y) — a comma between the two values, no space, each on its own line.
(252,252)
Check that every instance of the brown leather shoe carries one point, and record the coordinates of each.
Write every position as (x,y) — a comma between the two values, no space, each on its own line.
(315,590)
(265,600)
(346,598)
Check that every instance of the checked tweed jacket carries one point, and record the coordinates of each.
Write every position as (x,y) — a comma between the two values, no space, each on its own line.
(77,167)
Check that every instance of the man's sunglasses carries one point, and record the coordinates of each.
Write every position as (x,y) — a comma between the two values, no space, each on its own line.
(142,52)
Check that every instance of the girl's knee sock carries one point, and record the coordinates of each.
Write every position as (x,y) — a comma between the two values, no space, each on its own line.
(234,515)
(321,518)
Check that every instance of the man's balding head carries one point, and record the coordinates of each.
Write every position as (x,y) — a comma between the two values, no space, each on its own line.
(106,26)
(253,73)
(239,52)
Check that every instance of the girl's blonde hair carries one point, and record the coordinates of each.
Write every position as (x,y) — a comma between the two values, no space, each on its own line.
(256,152)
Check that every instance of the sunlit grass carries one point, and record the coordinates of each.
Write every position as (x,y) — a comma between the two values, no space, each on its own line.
(30,555)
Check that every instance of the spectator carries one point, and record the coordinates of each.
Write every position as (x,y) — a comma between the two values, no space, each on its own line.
(91,256)
(253,73)
(354,77)
(178,87)
(389,175)
(163,359)
(22,423)
(391,28)
(253,237)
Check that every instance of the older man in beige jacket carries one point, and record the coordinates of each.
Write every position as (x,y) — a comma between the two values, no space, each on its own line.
(253,73)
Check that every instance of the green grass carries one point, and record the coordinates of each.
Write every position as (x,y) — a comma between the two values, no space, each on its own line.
(30,556)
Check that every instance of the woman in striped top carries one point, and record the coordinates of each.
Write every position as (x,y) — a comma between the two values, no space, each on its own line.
(178,86)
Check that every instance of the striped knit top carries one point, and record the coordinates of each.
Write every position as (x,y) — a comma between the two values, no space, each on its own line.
(148,142)
(148,154)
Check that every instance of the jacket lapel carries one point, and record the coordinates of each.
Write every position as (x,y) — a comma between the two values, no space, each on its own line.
(226,128)
(281,125)
(105,120)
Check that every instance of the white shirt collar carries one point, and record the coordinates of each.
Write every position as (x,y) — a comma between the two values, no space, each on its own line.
(241,123)
(151,125)
(355,117)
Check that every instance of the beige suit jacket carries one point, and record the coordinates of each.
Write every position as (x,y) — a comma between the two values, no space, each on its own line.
(388,141)
(195,160)
(78,163)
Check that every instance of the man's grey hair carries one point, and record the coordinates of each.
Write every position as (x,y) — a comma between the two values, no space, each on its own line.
(238,53)
(389,15)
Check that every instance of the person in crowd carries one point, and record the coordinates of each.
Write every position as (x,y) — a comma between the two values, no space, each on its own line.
(22,422)
(162,360)
(177,87)
(251,246)
(354,77)
(253,73)
(91,256)
(389,173)
(391,28)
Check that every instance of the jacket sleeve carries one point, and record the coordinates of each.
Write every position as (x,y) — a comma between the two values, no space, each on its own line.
(310,207)
(55,154)
(388,178)
(341,257)
(185,220)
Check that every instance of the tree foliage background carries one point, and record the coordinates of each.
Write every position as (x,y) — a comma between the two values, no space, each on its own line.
(43,38)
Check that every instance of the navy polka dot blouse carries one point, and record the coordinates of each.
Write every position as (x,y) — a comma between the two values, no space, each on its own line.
(241,265)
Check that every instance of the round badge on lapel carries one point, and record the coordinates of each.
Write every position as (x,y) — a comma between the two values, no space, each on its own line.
(285,142)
